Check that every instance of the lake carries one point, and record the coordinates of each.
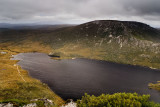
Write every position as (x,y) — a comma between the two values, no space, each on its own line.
(71,78)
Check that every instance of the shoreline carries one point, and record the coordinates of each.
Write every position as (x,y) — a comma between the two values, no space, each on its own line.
(79,59)
(43,90)
(15,53)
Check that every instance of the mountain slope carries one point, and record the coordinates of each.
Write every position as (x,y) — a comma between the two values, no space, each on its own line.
(116,41)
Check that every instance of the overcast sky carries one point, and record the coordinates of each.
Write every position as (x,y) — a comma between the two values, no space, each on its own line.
(79,11)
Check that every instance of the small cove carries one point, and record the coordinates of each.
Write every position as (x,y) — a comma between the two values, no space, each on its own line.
(70,79)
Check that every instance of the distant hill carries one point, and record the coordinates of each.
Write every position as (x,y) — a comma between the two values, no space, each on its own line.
(117,41)
(10,26)
(4,25)
(32,26)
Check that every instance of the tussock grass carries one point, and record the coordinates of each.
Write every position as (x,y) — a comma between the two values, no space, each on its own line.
(155,86)
(12,86)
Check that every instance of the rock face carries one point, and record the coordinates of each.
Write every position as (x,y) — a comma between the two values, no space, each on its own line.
(46,102)
(31,105)
(6,105)
(70,104)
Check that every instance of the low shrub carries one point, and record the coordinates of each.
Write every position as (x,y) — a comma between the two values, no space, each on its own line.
(116,100)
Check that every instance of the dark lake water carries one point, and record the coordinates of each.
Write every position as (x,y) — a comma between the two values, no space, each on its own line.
(70,79)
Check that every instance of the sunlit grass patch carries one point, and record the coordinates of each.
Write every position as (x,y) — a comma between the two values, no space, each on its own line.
(19,85)
(155,86)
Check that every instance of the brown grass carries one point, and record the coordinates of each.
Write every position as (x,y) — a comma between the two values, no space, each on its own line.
(12,86)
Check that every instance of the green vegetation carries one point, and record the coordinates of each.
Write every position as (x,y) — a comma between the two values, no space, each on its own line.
(116,100)
(16,102)
(20,103)
(121,42)
(155,86)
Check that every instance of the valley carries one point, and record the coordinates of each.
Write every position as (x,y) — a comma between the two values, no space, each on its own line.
(122,42)
(116,41)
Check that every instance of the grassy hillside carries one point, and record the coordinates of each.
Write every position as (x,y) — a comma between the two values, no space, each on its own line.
(117,41)
(17,87)
(122,42)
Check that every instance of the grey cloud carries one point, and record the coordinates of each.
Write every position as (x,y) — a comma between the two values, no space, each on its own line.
(144,7)
(53,10)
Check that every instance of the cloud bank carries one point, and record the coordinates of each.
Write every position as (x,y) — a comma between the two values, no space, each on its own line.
(79,11)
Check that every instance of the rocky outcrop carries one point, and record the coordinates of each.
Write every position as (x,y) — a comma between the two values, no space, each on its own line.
(6,105)
(70,104)
(46,102)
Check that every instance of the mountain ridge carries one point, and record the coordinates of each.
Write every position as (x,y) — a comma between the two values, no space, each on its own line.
(116,41)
